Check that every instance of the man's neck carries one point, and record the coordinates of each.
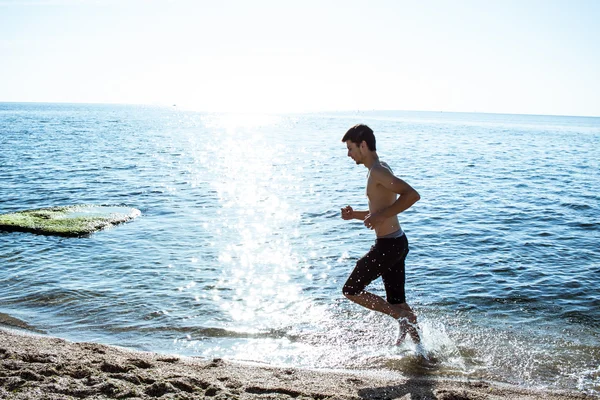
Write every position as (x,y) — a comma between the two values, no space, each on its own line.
(371,160)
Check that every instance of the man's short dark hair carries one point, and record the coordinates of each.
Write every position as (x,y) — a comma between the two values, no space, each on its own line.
(358,133)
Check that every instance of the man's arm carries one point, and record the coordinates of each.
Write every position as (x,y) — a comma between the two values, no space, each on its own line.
(348,213)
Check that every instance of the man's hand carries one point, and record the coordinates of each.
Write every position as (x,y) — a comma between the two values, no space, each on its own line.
(373,220)
(347,213)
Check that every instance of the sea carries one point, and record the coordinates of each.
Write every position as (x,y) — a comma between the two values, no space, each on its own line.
(240,251)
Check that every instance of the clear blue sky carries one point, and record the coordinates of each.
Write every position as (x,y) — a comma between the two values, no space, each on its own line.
(503,56)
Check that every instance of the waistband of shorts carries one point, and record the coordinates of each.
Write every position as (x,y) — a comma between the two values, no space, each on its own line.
(394,235)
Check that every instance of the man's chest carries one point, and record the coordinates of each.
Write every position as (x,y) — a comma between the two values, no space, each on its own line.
(377,194)
(373,189)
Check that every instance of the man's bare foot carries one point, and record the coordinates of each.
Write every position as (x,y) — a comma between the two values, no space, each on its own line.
(406,327)
(407,321)
(403,326)
(414,333)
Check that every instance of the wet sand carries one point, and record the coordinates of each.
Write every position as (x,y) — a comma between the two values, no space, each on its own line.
(40,367)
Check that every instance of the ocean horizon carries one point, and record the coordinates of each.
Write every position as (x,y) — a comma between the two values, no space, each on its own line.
(192,109)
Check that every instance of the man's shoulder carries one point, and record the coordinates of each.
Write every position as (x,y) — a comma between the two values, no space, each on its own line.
(381,169)
(386,166)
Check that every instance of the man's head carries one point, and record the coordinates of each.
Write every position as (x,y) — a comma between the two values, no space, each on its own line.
(359,139)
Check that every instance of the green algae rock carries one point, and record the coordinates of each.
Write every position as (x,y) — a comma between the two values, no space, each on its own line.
(72,221)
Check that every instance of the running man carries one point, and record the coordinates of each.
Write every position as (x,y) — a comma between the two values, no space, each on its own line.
(388,196)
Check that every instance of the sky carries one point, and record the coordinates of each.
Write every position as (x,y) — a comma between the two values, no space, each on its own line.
(498,56)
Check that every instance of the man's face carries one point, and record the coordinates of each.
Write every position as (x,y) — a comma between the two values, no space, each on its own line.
(354,152)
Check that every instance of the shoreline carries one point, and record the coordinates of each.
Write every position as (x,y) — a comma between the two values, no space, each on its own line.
(35,366)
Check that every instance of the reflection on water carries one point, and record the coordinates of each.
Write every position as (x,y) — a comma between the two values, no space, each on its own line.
(254,225)
(240,251)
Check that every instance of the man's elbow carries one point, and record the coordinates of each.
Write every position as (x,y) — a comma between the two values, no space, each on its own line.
(416,196)
(411,197)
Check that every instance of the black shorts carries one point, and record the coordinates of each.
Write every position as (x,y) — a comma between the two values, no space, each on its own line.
(385,259)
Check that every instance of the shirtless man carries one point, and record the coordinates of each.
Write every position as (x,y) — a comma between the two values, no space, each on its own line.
(386,257)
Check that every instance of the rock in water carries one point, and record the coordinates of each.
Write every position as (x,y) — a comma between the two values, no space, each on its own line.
(72,221)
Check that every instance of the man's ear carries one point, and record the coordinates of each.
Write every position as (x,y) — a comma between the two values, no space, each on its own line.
(363,145)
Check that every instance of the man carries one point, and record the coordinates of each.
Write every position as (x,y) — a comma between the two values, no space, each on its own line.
(388,196)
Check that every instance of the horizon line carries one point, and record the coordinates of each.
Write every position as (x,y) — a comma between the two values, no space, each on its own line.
(187,108)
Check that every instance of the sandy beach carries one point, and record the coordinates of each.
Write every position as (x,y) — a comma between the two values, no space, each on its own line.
(39,367)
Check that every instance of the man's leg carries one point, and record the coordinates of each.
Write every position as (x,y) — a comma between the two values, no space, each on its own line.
(393,280)
(375,303)
(369,268)
(378,303)
(401,312)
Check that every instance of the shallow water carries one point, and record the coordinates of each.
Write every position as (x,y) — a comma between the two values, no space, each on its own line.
(240,251)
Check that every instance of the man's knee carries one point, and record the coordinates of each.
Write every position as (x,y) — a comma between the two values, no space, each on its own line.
(350,291)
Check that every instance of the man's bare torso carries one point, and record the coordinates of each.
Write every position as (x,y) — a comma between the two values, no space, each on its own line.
(379,198)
